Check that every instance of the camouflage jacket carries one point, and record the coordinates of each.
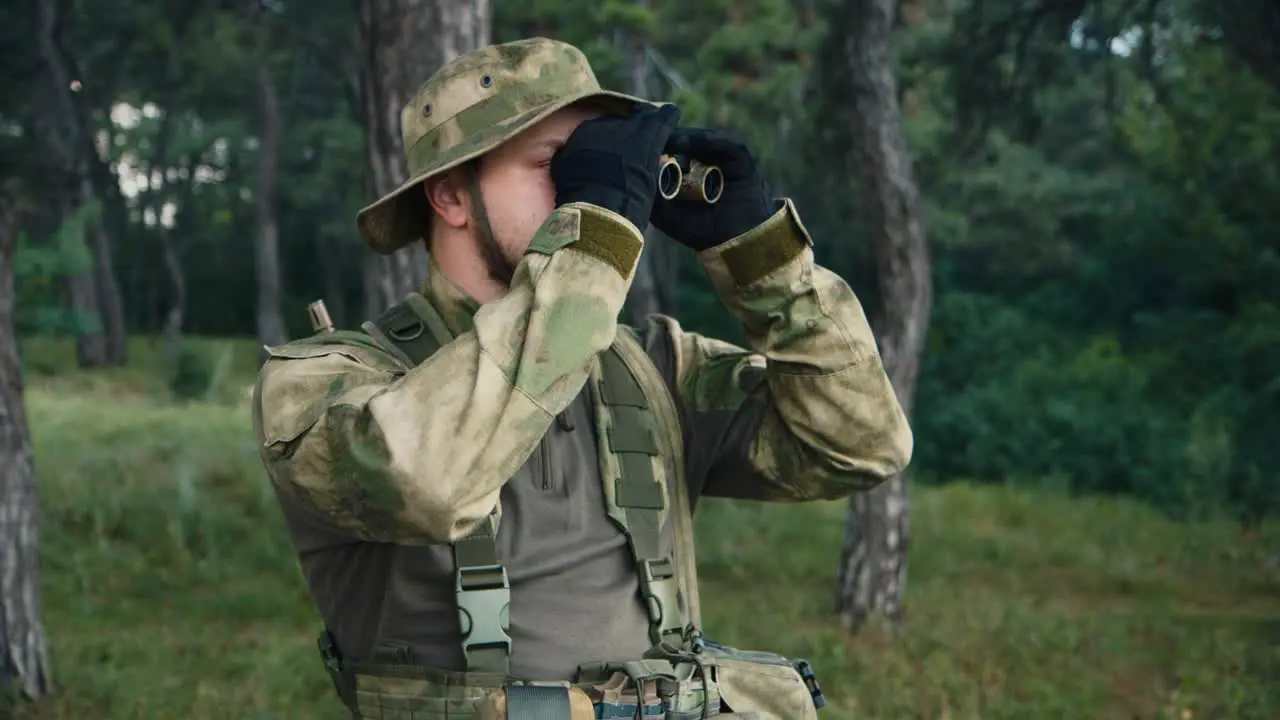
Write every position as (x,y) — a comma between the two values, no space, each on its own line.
(383,453)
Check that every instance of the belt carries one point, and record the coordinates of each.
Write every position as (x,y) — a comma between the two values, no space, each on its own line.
(390,691)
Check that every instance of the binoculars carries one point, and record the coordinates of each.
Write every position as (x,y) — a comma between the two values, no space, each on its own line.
(681,178)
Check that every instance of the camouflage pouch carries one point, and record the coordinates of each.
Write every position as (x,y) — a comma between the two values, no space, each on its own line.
(761,685)
(741,684)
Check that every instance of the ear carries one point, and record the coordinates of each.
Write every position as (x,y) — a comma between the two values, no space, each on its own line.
(448,199)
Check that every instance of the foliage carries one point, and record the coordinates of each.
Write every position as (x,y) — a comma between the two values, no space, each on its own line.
(1029,604)
(1095,417)
(1105,258)
(39,270)
(197,373)
(1098,178)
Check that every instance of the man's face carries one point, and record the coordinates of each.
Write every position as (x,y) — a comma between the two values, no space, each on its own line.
(515,181)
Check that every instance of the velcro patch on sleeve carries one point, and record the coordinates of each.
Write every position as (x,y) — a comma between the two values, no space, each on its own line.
(609,240)
(766,249)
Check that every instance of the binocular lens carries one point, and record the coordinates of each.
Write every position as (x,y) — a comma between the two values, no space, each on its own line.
(712,184)
(669,178)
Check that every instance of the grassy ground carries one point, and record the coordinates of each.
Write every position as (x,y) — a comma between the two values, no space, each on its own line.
(171,592)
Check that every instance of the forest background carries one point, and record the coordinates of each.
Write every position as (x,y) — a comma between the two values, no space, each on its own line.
(1060,216)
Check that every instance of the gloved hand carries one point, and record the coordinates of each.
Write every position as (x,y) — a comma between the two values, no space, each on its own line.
(744,204)
(612,162)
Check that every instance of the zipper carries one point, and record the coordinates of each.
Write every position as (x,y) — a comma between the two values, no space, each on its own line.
(547,482)
(565,424)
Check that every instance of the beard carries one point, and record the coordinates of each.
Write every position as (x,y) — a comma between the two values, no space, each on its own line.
(496,263)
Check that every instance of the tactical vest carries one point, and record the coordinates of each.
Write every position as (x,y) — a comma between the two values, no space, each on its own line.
(640,451)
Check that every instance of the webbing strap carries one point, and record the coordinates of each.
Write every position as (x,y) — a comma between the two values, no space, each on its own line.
(667,421)
(404,333)
(639,497)
(538,702)
(414,330)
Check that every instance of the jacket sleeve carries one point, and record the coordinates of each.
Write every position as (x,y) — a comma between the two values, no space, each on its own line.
(419,455)
(808,412)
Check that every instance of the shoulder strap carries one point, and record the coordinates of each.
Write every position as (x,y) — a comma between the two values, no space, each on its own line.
(413,330)
(641,459)
(642,467)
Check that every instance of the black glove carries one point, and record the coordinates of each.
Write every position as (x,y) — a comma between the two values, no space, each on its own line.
(612,162)
(744,204)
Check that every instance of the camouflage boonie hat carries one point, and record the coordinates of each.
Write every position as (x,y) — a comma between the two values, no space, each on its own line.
(469,107)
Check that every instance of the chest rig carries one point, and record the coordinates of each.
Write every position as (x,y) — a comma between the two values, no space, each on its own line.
(640,452)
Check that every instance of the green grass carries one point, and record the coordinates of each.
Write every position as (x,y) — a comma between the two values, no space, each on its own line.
(170,590)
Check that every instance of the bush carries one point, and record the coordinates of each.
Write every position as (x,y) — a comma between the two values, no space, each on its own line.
(1004,397)
(199,372)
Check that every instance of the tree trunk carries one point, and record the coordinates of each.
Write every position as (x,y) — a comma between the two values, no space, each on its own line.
(153,204)
(270,322)
(651,290)
(333,261)
(874,559)
(377,285)
(63,136)
(103,184)
(173,319)
(110,302)
(24,660)
(404,42)
(82,297)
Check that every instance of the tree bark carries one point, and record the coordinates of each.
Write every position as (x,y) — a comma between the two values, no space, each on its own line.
(651,290)
(873,566)
(333,261)
(153,202)
(105,185)
(267,255)
(110,300)
(404,42)
(24,659)
(173,318)
(63,136)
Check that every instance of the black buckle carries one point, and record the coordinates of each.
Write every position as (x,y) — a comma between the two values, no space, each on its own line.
(810,681)
(328,647)
(483,596)
(332,657)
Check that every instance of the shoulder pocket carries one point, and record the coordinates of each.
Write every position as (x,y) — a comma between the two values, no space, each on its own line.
(300,378)
(299,350)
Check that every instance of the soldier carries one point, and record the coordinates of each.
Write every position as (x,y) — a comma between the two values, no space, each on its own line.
(490,486)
